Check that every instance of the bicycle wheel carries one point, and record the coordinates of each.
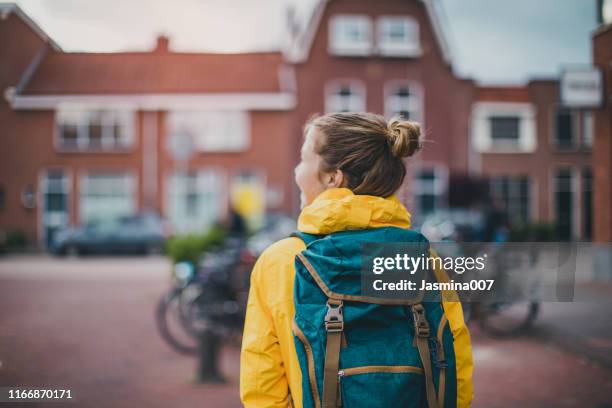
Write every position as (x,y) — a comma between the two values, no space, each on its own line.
(170,324)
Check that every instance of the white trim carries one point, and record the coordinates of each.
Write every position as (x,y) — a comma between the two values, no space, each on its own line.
(398,49)
(438,31)
(300,52)
(416,88)
(480,135)
(440,184)
(222,198)
(133,181)
(150,135)
(41,190)
(7,8)
(337,47)
(128,146)
(206,101)
(353,82)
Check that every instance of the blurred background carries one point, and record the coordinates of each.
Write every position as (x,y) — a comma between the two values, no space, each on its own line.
(147,154)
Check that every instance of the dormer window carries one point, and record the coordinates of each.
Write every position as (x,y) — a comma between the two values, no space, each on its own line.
(398,36)
(350,35)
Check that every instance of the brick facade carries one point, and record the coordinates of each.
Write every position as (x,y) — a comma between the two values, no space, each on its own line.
(275,92)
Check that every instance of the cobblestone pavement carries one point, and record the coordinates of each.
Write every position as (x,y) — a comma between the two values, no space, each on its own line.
(87,324)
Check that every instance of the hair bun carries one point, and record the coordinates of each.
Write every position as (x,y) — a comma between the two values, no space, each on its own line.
(404,137)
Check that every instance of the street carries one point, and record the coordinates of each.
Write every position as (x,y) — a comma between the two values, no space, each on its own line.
(87,325)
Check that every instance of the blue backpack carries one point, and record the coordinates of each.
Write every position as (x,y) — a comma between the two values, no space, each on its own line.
(356,350)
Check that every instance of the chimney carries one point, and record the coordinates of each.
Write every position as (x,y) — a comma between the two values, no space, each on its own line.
(162,44)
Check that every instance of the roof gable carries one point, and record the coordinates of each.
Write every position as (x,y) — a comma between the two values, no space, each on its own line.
(298,49)
(11,8)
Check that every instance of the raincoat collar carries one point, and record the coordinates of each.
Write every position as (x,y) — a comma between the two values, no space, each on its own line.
(338,209)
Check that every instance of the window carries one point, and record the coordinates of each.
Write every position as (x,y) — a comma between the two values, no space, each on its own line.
(587,203)
(106,195)
(350,35)
(398,36)
(55,193)
(587,130)
(503,127)
(512,193)
(212,131)
(94,129)
(403,100)
(194,199)
(429,188)
(345,96)
(564,129)
(564,203)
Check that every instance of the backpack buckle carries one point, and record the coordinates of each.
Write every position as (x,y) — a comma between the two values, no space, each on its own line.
(334,320)
(420,322)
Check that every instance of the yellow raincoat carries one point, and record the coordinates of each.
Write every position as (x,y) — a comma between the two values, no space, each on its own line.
(270,374)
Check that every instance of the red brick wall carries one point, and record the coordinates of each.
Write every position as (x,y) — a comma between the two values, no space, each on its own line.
(18,166)
(602,154)
(447,100)
(540,165)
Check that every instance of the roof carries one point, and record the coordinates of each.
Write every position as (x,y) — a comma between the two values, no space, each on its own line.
(155,73)
(8,8)
(299,49)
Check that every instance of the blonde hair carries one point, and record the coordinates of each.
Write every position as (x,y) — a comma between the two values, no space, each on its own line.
(367,149)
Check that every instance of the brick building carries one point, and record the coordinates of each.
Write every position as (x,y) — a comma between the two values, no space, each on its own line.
(602,155)
(86,135)
(536,153)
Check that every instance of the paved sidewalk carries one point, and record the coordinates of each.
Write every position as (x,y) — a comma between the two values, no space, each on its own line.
(88,324)
(584,327)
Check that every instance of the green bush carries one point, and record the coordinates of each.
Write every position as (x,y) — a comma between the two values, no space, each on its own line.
(190,247)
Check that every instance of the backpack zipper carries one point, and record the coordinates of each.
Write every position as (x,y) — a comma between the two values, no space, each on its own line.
(379,369)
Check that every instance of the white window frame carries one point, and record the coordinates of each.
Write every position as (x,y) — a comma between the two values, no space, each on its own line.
(393,102)
(439,187)
(44,188)
(199,222)
(481,138)
(587,129)
(81,117)
(332,98)
(212,131)
(130,178)
(407,47)
(340,46)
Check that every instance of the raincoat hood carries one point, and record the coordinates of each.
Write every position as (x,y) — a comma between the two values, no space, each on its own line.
(339,209)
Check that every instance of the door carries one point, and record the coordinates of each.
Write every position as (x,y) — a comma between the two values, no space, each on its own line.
(55,190)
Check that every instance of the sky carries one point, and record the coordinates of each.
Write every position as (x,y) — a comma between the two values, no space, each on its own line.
(493,41)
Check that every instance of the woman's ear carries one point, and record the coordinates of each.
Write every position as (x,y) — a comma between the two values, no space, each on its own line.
(335,179)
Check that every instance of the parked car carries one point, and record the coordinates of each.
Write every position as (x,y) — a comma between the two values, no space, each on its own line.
(143,233)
